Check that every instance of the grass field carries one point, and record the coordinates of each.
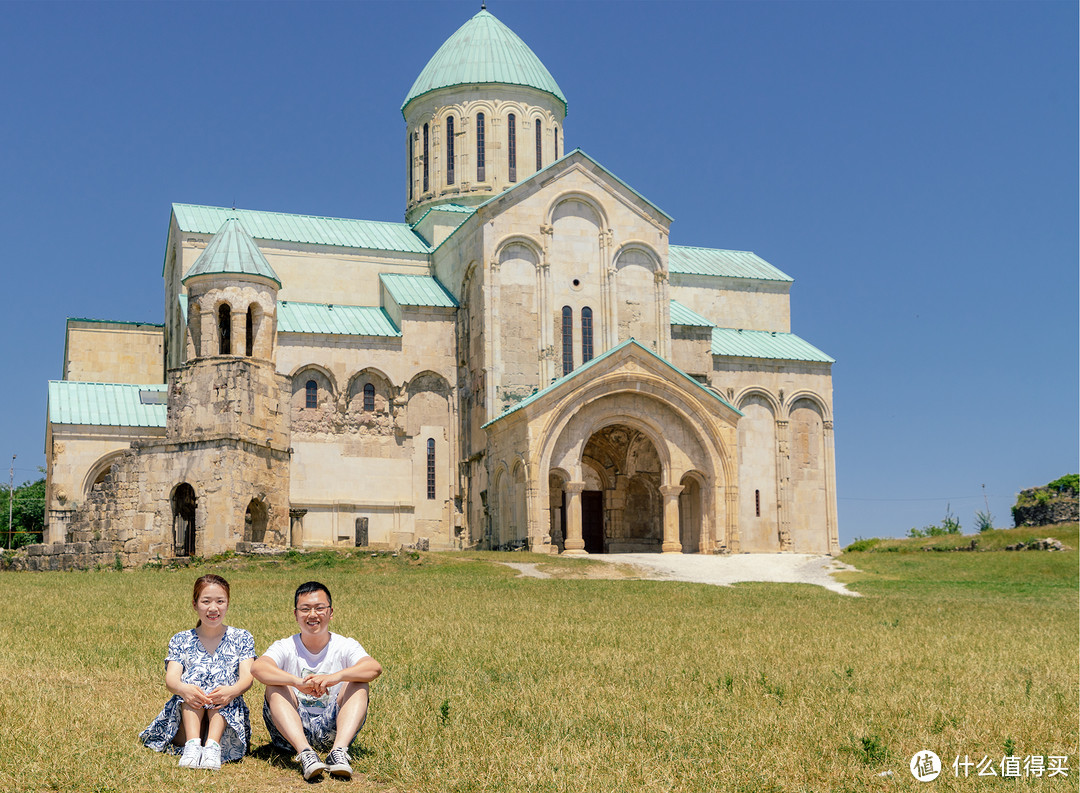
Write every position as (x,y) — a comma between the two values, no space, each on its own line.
(500,683)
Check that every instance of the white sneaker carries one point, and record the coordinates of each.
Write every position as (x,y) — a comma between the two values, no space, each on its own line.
(211,756)
(337,763)
(310,764)
(192,754)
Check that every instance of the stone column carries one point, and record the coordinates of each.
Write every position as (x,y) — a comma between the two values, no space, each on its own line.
(575,545)
(296,527)
(783,485)
(671,518)
(731,508)
(830,489)
(238,320)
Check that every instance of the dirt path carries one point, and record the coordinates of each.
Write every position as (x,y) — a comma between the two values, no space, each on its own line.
(783,568)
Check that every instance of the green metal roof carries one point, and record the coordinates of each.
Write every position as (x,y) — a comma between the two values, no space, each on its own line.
(681,315)
(772,345)
(373,235)
(417,290)
(334,319)
(232,251)
(116,322)
(579,372)
(106,404)
(484,51)
(714,261)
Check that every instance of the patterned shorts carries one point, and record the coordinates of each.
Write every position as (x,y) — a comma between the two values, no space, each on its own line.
(319,728)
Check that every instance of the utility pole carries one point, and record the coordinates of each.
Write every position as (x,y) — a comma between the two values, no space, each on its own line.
(10,498)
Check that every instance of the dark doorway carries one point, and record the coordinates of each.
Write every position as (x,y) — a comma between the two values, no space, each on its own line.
(592,520)
(255,521)
(361,532)
(183,504)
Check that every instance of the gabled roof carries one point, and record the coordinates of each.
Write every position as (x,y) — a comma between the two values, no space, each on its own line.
(480,52)
(232,251)
(715,261)
(417,290)
(107,404)
(373,235)
(581,370)
(682,315)
(333,319)
(772,345)
(580,154)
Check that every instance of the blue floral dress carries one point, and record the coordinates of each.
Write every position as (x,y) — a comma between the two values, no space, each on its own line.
(206,671)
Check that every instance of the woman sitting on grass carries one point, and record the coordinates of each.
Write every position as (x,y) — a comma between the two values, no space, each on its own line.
(207,669)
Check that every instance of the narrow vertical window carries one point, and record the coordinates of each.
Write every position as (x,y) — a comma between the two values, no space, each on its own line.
(449,149)
(480,147)
(431,468)
(556,143)
(224,330)
(586,334)
(511,136)
(757,503)
(539,144)
(369,398)
(311,394)
(249,333)
(408,152)
(567,340)
(425,164)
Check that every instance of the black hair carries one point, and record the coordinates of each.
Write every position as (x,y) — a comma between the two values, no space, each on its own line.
(312,586)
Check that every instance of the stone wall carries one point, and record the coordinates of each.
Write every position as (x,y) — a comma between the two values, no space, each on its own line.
(1036,506)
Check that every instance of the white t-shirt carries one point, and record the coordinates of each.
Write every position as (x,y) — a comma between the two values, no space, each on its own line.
(293,657)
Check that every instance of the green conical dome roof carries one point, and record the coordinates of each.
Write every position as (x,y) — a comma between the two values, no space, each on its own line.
(232,251)
(484,50)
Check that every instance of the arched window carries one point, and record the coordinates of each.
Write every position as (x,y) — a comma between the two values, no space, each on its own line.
(425,162)
(431,468)
(539,142)
(480,147)
(408,152)
(311,393)
(586,334)
(224,325)
(567,340)
(511,136)
(249,333)
(369,397)
(449,149)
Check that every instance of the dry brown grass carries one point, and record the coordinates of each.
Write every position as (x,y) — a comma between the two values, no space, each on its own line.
(500,683)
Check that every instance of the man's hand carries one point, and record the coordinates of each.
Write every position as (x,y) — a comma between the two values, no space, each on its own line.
(319,684)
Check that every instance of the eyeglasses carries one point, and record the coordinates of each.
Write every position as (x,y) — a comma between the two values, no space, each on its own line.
(320,609)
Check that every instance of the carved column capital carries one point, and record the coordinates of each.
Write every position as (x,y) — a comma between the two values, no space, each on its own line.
(671,491)
(547,229)
(574,487)
(660,276)
(828,426)
(494,265)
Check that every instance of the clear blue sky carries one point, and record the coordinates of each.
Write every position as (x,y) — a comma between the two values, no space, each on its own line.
(912,165)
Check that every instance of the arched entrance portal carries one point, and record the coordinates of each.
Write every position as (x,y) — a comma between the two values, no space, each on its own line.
(621,506)
(183,509)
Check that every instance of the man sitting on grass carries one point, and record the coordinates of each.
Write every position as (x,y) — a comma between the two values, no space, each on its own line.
(316,687)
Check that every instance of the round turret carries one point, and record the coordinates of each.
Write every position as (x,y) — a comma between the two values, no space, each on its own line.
(484,114)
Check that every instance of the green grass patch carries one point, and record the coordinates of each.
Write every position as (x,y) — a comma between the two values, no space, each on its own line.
(497,682)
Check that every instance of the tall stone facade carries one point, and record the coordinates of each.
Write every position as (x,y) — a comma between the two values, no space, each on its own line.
(527,362)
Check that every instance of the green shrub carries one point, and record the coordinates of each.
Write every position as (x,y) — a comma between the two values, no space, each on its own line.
(862,545)
(984,521)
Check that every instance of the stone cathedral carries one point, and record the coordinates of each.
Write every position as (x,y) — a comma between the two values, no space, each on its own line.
(527,361)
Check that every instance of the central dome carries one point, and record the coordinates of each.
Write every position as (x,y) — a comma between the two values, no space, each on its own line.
(484,51)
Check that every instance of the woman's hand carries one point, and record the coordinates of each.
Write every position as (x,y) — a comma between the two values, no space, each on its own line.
(193,696)
(222,696)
